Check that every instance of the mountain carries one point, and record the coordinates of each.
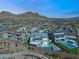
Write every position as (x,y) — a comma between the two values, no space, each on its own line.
(5,14)
(24,16)
(28,19)
(10,21)
(31,15)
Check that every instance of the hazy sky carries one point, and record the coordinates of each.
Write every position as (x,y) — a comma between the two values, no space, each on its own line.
(50,8)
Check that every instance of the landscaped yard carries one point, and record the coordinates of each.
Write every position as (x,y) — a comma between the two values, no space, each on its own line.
(70,50)
(73,39)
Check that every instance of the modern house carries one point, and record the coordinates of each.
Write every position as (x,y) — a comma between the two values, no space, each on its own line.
(7,35)
(14,35)
(38,38)
(59,37)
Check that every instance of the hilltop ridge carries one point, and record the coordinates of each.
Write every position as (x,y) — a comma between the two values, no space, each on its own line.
(9,21)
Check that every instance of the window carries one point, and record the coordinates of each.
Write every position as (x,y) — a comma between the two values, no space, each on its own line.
(38,38)
(62,36)
(62,40)
(57,40)
(57,36)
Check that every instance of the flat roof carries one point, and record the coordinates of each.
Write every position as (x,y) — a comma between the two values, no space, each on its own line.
(41,34)
(61,33)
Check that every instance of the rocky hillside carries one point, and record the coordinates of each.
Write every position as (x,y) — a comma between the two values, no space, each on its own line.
(10,21)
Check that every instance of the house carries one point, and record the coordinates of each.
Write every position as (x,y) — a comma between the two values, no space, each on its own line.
(7,35)
(38,38)
(59,37)
(19,36)
(14,35)
(21,29)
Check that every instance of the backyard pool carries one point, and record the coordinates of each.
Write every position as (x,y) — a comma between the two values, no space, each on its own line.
(50,48)
(69,45)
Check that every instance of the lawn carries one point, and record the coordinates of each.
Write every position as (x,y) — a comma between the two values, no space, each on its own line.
(73,39)
(69,50)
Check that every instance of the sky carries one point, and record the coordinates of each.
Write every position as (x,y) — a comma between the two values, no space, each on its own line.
(49,8)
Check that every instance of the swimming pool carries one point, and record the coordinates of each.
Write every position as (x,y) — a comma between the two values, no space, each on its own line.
(50,48)
(69,45)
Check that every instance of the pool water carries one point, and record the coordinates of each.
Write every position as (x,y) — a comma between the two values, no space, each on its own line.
(69,45)
(48,47)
